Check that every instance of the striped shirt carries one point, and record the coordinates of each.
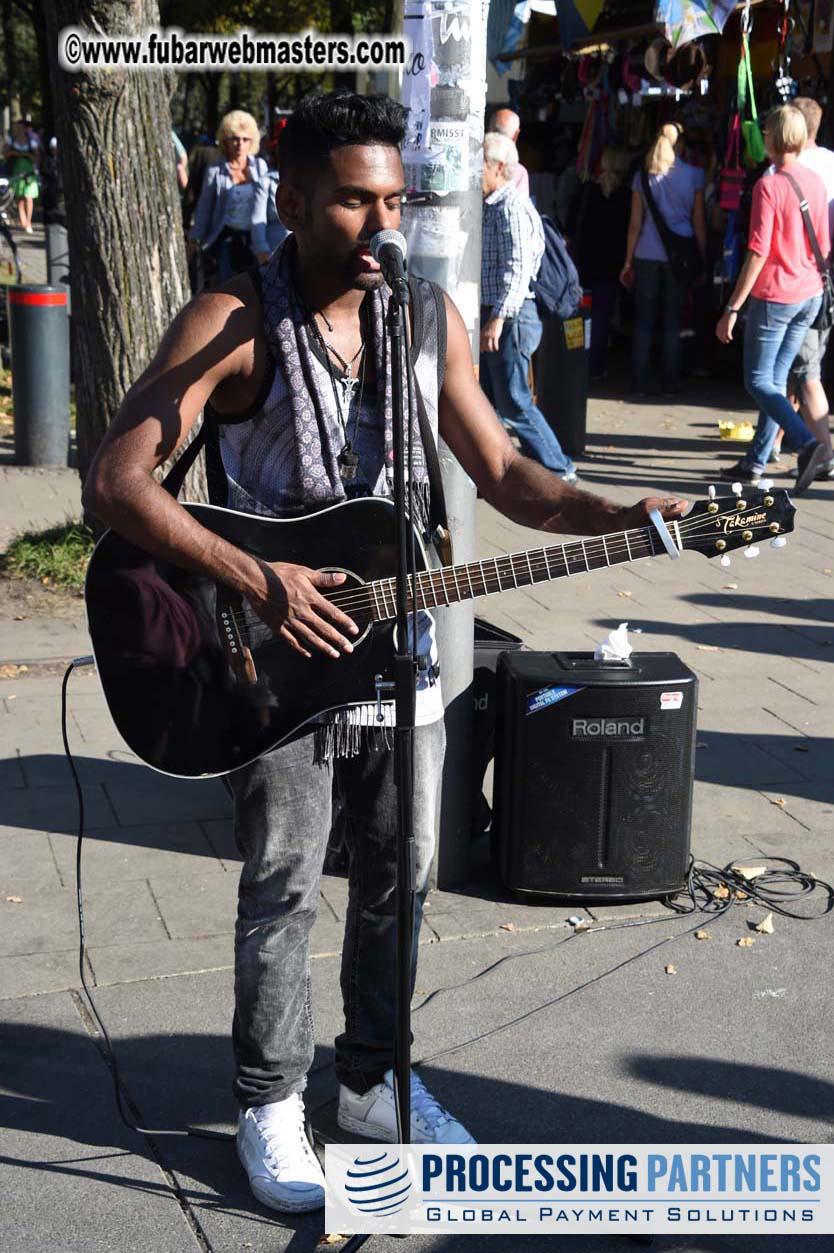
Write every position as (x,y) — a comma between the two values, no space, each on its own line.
(512,248)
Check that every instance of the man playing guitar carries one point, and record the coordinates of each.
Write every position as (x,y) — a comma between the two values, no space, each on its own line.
(289,363)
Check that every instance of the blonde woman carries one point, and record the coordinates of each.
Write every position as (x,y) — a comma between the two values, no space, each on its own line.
(781,278)
(599,239)
(230,219)
(677,190)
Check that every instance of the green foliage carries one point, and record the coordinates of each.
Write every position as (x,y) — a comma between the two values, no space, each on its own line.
(58,556)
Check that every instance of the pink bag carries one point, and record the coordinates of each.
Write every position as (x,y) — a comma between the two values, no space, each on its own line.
(731,178)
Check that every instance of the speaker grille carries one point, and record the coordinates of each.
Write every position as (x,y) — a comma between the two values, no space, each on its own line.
(599,816)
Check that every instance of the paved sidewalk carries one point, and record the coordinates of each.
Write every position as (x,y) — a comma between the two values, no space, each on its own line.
(593,1042)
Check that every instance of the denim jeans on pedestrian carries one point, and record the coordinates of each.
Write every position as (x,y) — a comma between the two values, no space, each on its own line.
(773,336)
(504,378)
(283,809)
(656,288)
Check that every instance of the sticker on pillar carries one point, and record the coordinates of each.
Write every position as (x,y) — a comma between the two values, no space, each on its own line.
(574,332)
(548,696)
(671,700)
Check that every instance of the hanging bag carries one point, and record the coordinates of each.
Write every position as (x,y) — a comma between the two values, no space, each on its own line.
(732,176)
(825,318)
(754,147)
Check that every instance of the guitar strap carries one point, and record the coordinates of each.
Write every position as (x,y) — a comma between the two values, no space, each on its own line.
(438,517)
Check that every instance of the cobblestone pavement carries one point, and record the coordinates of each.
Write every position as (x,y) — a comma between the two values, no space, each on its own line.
(735,1047)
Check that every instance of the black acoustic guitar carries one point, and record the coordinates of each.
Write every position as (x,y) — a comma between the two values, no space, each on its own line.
(197,685)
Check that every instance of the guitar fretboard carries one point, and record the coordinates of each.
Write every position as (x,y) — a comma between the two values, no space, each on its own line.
(452,584)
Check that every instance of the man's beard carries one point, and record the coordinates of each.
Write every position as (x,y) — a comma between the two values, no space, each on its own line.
(368,282)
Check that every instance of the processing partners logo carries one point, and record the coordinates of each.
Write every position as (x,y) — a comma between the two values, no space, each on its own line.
(527,1189)
(378,1183)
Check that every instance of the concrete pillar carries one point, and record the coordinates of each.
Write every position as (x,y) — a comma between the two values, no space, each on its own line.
(445,87)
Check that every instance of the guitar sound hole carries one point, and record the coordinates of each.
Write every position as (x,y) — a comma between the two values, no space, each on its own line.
(355,598)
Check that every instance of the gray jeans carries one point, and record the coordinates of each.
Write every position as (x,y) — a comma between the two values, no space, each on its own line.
(283,808)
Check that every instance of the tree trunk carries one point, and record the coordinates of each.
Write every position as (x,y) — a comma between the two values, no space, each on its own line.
(48,109)
(10,58)
(127,254)
(341,23)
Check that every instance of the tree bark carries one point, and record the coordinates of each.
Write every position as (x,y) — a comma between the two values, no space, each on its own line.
(127,255)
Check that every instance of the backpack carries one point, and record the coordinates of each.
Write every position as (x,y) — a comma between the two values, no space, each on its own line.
(557,287)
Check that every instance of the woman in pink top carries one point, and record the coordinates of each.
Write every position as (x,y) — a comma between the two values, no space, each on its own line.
(781,277)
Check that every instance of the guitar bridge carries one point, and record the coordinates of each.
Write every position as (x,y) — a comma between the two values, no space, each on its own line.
(238,652)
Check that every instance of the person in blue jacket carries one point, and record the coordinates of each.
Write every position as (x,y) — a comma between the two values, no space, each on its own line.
(230,220)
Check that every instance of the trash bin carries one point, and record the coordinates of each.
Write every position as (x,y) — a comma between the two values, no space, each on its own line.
(562,376)
(39,334)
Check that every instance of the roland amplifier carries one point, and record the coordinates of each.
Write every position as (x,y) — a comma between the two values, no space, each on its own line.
(594,764)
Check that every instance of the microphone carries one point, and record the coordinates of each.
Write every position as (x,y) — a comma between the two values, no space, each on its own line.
(388,248)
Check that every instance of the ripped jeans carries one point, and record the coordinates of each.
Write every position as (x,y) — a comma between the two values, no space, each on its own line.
(283,810)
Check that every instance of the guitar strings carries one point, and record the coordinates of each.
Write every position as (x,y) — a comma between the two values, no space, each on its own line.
(596,546)
(616,544)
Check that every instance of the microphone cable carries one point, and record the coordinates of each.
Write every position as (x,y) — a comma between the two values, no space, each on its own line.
(122,1099)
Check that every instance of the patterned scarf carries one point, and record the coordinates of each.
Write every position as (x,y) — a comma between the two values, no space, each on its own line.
(314,414)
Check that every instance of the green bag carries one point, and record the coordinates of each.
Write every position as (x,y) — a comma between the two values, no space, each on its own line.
(754,146)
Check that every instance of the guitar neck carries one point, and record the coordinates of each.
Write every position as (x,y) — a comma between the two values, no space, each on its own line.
(452,584)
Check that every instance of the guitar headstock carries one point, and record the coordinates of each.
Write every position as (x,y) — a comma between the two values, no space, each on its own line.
(717,526)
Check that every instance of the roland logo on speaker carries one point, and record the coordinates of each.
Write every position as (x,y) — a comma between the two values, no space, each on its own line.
(608,728)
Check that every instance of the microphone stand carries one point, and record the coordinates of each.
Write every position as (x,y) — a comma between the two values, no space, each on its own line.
(405,673)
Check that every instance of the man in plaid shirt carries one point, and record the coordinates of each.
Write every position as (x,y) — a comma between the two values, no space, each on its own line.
(511,253)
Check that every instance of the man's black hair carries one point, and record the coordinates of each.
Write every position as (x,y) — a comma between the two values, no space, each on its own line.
(321,123)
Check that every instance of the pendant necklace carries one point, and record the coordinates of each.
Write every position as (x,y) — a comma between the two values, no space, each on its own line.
(347,460)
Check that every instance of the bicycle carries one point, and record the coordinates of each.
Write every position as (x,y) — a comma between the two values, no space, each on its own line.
(10,271)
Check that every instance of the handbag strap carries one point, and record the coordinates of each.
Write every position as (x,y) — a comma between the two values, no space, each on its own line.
(663,229)
(732,159)
(809,226)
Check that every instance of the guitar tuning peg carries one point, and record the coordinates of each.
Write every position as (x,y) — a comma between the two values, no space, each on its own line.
(736,489)
(711,492)
(752,551)
(779,541)
(765,484)
(725,560)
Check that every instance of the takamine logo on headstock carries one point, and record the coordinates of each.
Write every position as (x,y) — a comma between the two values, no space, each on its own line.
(743,520)
(722,523)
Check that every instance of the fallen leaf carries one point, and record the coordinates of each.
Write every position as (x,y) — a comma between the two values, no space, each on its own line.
(11,671)
(827,570)
(702,935)
(750,872)
(15,900)
(12,696)
(741,896)
(707,648)
(765,927)
(670,970)
(19,617)
(334,1237)
(628,594)
(731,587)
(584,925)
(721,892)
(778,800)
(747,942)
(508,926)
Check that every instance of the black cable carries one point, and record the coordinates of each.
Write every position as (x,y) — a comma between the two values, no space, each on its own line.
(200,1133)
(708,890)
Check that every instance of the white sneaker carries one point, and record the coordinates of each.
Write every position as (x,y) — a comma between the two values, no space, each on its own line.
(374,1115)
(284,1172)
